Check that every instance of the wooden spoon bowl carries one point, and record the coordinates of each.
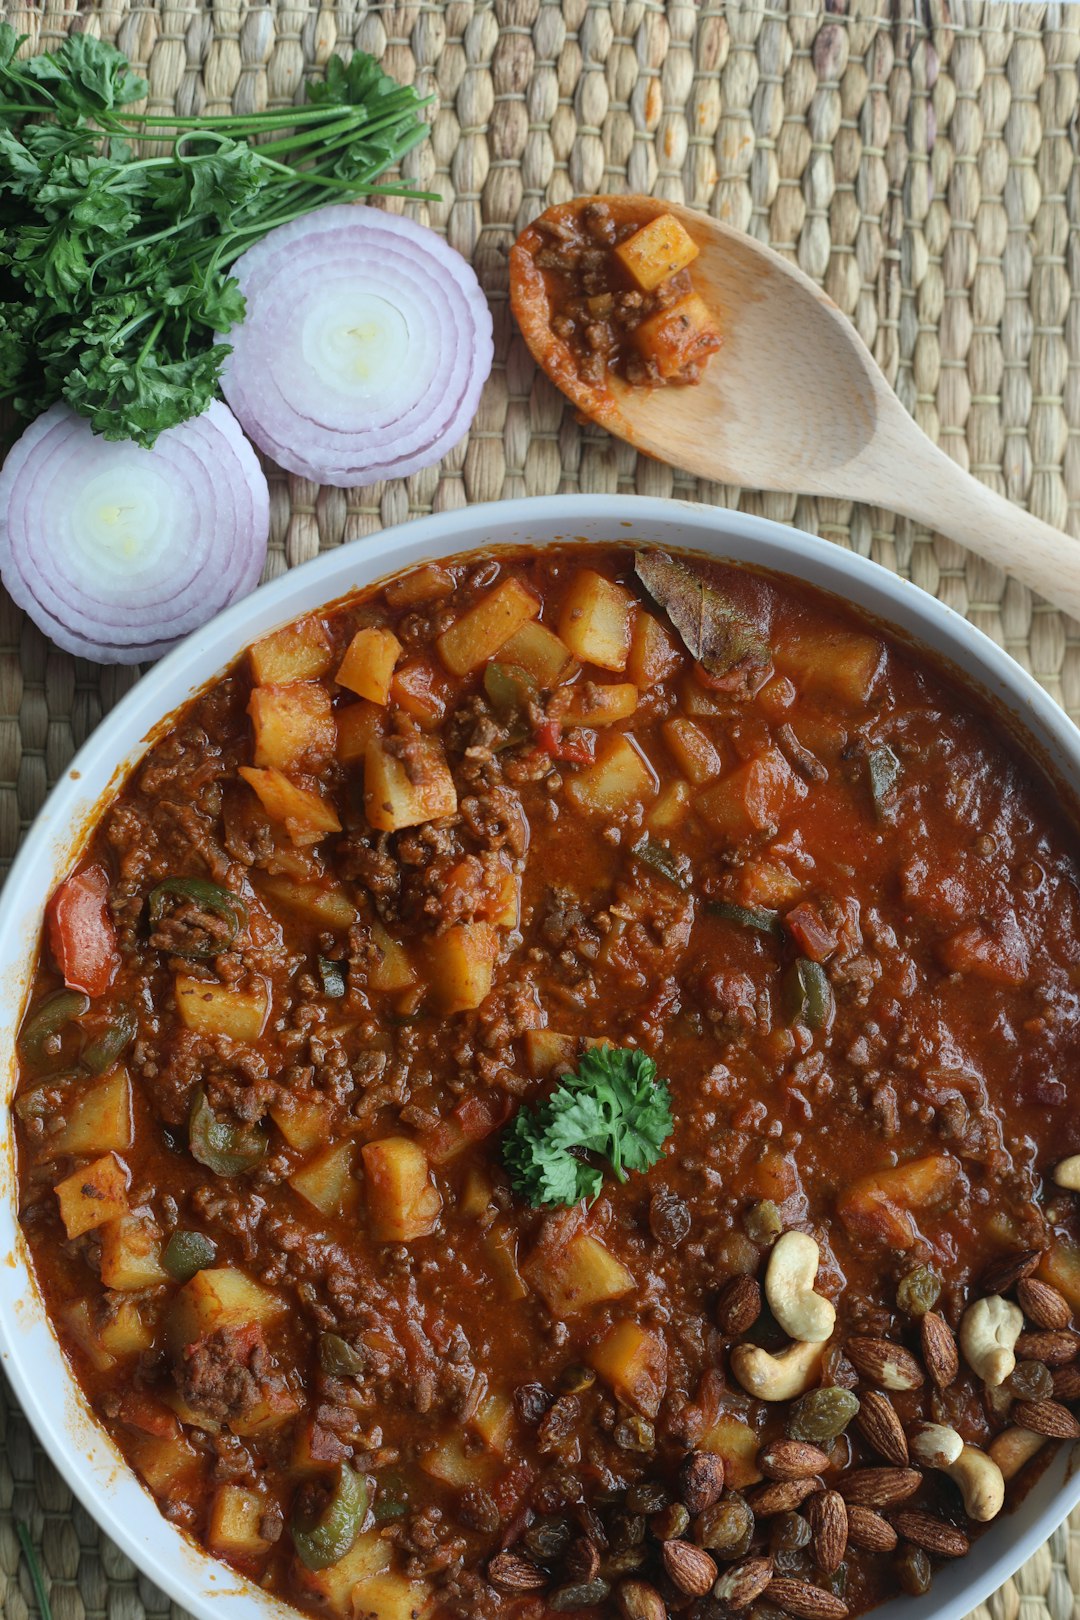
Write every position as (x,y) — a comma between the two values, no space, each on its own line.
(794,402)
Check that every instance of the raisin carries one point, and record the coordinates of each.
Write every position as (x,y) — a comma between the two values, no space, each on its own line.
(1031,1381)
(531,1401)
(478,1511)
(546,1540)
(788,1531)
(558,1423)
(918,1292)
(727,1528)
(580,1596)
(647,1496)
(635,1434)
(669,1217)
(762,1221)
(821,1415)
(670,1523)
(913,1571)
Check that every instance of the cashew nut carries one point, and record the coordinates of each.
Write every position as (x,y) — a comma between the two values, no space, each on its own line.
(981,1481)
(935,1445)
(988,1331)
(789,1289)
(1014,1447)
(780,1377)
(1067,1173)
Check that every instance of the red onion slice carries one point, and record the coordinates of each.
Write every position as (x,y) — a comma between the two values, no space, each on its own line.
(365,348)
(117,552)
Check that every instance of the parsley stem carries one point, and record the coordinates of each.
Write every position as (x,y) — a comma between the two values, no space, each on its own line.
(149,344)
(36,1580)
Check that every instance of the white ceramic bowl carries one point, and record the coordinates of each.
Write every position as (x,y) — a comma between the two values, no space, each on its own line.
(31,1356)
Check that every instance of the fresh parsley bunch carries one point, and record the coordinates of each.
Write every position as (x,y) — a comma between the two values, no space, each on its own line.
(114,265)
(613,1106)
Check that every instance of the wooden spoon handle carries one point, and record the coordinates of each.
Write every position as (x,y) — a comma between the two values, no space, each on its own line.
(923,483)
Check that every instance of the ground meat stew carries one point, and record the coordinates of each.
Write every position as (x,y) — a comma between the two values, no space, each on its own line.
(611,280)
(546,1092)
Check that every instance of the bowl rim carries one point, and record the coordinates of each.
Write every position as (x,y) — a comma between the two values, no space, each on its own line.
(75,1443)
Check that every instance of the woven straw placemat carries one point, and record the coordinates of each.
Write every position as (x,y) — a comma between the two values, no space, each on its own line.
(920,159)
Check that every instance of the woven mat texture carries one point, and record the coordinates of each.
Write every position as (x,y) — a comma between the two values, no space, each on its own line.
(922,162)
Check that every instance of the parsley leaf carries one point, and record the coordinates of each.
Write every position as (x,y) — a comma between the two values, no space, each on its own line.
(613,1106)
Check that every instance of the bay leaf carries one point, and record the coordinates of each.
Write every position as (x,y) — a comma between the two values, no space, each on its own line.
(716,632)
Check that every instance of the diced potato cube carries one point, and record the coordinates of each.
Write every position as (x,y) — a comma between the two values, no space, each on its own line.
(98,1120)
(484,629)
(357,726)
(692,751)
(127,1332)
(368,666)
(506,912)
(216,1009)
(389,969)
(298,652)
(131,1254)
(1060,1267)
(670,809)
(235,1516)
(880,1205)
(93,1196)
(450,1463)
(269,1413)
(594,705)
(402,1200)
(304,1122)
(390,1597)
(306,815)
(493,1420)
(421,690)
(578,1274)
(82,1330)
(293,725)
(776,697)
(634,1362)
(595,621)
(738,1444)
(618,779)
(220,1297)
(324,905)
(165,1463)
(767,883)
(539,652)
(658,251)
(336,1586)
(429,583)
(756,795)
(654,655)
(501,1245)
(546,1050)
(834,663)
(328,1183)
(461,964)
(400,793)
(476,1194)
(696,700)
(683,335)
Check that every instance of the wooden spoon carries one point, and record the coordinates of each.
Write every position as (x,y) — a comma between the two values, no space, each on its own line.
(795,402)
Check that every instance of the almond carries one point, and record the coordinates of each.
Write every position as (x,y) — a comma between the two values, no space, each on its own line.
(1044,1305)
(1067,1383)
(879,1487)
(939,1349)
(805,1601)
(582,1561)
(637,1600)
(782,1497)
(933,1535)
(791,1459)
(827,1516)
(1003,1274)
(701,1481)
(869,1530)
(887,1365)
(1045,1417)
(688,1567)
(1056,1349)
(742,1583)
(510,1572)
(882,1429)
(738,1306)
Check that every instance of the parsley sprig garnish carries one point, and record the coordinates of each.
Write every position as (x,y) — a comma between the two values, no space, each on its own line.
(613,1107)
(114,265)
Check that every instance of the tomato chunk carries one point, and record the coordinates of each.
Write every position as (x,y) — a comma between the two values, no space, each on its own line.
(81,935)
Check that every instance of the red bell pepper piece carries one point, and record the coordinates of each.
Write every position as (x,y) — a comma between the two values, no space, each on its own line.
(549,740)
(81,935)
